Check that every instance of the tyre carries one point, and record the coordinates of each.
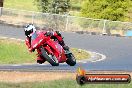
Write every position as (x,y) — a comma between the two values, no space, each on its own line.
(50,58)
(70,59)
(53,60)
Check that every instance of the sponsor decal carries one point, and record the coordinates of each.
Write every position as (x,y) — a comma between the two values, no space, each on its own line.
(84,78)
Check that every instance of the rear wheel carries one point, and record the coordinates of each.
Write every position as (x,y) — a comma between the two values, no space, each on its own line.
(50,58)
(70,59)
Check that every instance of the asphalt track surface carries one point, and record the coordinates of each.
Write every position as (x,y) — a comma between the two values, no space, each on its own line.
(118,51)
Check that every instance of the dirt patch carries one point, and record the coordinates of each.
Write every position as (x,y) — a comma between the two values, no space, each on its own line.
(20,19)
(17,77)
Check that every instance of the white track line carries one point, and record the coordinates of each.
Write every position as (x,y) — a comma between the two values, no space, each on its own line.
(103,57)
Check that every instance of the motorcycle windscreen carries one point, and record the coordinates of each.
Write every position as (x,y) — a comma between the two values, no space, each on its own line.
(34,36)
(35,40)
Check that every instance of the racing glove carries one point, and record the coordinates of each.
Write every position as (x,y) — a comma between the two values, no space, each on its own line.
(31,50)
(58,33)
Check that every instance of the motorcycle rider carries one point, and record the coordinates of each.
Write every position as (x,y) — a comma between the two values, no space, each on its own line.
(30,29)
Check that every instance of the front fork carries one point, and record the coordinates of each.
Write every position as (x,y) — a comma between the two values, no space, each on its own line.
(54,49)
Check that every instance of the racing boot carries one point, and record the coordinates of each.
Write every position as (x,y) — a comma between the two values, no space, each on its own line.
(40,59)
(66,48)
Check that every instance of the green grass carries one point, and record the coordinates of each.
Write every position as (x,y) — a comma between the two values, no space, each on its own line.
(30,4)
(80,54)
(65,83)
(15,52)
(21,4)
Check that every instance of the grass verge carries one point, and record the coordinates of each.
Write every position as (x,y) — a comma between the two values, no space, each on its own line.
(21,4)
(80,54)
(65,83)
(15,52)
(50,80)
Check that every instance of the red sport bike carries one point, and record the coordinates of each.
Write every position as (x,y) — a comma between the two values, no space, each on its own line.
(51,50)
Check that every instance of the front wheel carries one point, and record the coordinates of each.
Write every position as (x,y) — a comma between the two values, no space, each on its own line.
(53,60)
(70,59)
(50,58)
